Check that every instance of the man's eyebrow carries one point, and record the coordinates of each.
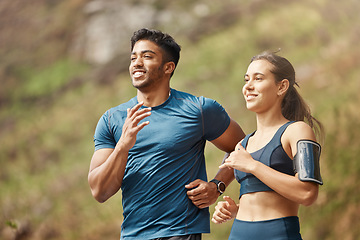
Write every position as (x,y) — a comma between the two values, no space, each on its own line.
(144,51)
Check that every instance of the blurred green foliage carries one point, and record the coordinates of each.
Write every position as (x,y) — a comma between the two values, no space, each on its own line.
(45,81)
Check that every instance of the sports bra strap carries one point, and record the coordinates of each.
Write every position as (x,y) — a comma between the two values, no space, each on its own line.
(246,139)
(274,143)
(249,183)
(277,135)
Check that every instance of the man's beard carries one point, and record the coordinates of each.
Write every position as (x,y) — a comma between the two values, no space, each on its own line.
(149,80)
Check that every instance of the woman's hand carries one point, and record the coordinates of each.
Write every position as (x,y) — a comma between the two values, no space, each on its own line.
(240,159)
(225,211)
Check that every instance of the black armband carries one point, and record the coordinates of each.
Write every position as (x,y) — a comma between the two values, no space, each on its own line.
(306,161)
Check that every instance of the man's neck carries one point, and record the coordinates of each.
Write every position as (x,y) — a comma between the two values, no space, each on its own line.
(153,98)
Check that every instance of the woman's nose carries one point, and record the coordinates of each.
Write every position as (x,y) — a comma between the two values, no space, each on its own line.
(248,84)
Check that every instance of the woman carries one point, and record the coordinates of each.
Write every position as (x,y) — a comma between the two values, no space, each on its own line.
(271,187)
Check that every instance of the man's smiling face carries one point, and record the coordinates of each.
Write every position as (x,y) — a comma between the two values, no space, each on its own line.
(146,68)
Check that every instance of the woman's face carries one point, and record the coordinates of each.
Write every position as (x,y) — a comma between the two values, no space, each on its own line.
(260,90)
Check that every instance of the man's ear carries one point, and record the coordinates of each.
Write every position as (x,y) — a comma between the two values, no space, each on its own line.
(283,87)
(169,67)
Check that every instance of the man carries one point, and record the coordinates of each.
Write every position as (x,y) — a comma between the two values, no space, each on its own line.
(152,147)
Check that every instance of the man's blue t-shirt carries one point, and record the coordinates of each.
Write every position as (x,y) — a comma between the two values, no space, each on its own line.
(167,155)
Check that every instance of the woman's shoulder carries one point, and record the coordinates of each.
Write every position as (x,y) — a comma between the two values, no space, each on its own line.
(295,132)
(299,124)
(299,130)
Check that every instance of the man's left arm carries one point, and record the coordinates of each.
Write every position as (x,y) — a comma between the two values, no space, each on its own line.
(203,194)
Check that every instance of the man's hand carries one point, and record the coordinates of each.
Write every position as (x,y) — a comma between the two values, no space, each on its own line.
(201,193)
(131,125)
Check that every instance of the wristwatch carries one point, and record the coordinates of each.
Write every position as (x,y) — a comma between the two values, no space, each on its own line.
(220,186)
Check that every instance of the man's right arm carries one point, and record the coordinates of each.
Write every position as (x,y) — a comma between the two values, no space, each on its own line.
(106,172)
(108,165)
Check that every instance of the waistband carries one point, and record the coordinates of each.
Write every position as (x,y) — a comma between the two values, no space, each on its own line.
(280,228)
(289,218)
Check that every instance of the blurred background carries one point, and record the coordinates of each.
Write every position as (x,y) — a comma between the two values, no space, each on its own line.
(65,62)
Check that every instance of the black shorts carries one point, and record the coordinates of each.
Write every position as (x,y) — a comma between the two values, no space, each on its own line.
(183,237)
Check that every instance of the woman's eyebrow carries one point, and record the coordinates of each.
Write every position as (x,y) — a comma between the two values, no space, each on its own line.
(257,73)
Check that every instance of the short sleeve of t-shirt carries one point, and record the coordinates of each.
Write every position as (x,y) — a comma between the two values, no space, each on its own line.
(103,138)
(215,118)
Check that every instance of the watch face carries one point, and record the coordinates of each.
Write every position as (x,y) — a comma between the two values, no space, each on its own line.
(222,186)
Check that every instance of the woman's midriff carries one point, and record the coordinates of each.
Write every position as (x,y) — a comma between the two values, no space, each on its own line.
(260,206)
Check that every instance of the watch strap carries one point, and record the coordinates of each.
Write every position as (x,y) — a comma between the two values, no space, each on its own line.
(217,182)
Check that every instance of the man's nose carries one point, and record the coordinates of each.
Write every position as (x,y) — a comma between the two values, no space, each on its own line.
(138,62)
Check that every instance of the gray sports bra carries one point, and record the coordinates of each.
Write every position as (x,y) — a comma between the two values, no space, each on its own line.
(272,155)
